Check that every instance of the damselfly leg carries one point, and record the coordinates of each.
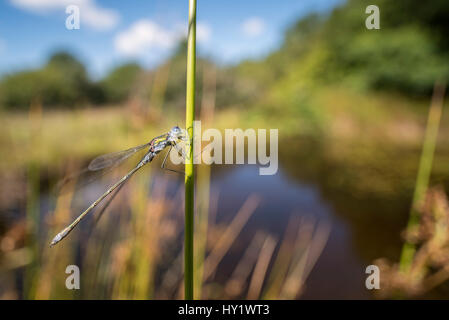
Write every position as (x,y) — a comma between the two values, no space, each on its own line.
(156,145)
(181,153)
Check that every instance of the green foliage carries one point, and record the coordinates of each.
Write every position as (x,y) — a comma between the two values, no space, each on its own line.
(233,85)
(18,90)
(118,85)
(404,59)
(62,81)
(404,55)
(175,91)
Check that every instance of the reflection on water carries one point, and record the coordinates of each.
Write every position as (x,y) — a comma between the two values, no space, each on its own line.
(339,272)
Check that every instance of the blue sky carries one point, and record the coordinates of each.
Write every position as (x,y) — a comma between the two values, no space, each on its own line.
(115,31)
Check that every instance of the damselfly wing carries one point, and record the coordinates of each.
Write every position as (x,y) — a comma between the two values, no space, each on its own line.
(155,146)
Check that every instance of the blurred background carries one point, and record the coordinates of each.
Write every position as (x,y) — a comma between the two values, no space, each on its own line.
(351,106)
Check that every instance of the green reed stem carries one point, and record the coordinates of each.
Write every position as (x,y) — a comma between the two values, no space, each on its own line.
(424,171)
(189,177)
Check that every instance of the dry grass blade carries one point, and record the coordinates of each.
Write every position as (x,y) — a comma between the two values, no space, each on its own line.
(236,283)
(229,236)
(309,245)
(261,267)
(283,258)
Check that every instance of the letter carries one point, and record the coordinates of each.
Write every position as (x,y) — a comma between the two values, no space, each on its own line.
(214,146)
(199,310)
(197,142)
(250,309)
(373,20)
(73,20)
(373,280)
(234,308)
(227,309)
(208,310)
(267,309)
(240,135)
(73,280)
(262,148)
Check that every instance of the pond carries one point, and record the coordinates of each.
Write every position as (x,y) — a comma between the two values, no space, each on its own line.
(339,272)
(363,225)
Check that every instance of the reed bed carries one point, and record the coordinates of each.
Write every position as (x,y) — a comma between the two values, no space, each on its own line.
(134,251)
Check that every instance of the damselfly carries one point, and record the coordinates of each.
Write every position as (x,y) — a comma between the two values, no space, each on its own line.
(170,139)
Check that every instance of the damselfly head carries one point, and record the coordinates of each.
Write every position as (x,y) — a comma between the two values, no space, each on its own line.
(176,130)
(176,133)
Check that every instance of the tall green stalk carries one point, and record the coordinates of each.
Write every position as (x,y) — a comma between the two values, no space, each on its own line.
(424,171)
(189,177)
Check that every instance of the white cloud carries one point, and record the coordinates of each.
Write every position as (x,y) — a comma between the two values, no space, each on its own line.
(253,27)
(144,35)
(203,32)
(90,13)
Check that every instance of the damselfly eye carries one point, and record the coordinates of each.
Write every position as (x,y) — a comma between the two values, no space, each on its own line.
(176,130)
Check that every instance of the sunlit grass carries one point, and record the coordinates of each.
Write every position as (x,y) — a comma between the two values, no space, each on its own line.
(84,133)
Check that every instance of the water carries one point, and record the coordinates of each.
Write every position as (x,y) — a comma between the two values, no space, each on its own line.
(365,225)
(339,272)
(366,202)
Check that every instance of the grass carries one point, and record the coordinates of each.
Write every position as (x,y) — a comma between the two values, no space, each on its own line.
(424,171)
(134,251)
(422,266)
(204,183)
(85,133)
(189,169)
(133,263)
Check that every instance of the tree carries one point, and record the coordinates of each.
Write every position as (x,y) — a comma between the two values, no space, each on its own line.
(118,84)
(62,81)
